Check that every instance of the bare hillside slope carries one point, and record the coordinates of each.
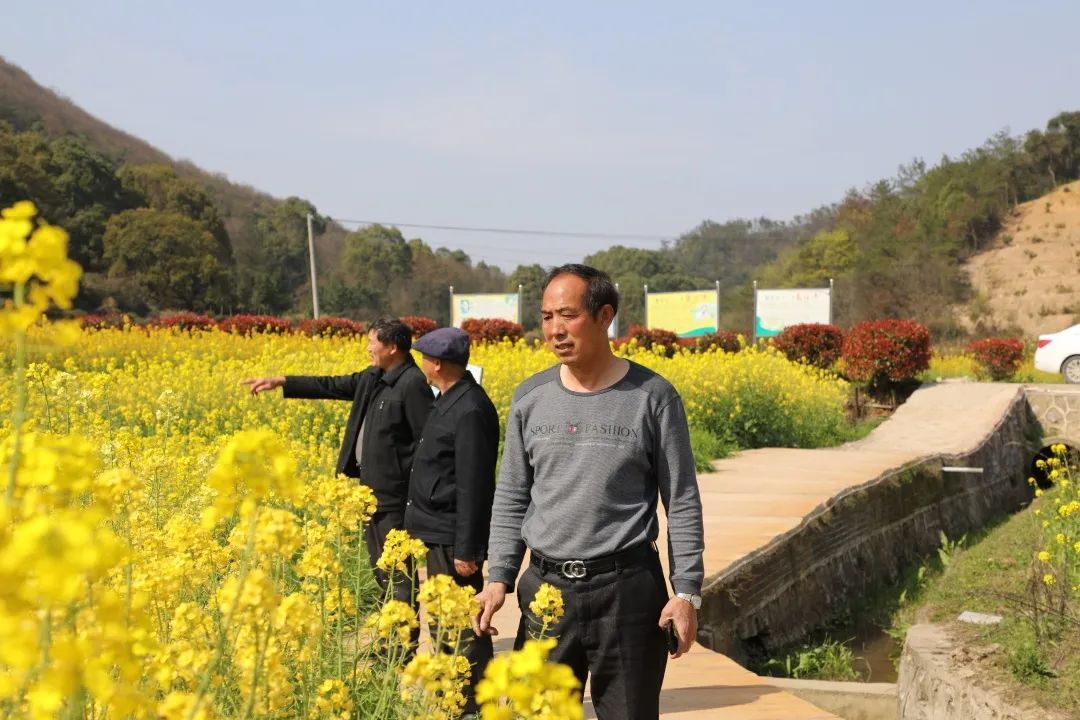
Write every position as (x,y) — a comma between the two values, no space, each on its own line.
(1028,281)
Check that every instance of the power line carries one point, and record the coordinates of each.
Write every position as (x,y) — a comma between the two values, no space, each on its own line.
(512,231)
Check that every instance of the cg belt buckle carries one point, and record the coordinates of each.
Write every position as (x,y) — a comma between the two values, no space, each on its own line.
(573,569)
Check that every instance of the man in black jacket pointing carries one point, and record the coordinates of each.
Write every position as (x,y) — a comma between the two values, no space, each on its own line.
(453,478)
(391,401)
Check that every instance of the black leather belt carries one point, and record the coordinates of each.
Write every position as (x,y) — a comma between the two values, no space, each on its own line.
(579,569)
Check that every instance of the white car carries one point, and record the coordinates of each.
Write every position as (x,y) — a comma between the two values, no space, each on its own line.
(1060,353)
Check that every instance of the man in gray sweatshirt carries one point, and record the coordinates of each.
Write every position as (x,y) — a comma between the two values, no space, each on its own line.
(591,445)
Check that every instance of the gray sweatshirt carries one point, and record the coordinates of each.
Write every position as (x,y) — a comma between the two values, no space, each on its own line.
(581,474)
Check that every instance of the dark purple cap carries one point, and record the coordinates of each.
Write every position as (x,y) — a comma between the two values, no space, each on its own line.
(451,344)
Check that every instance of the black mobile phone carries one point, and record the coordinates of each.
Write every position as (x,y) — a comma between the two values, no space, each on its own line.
(672,638)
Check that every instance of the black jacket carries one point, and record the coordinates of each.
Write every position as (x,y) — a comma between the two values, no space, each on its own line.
(453,474)
(396,405)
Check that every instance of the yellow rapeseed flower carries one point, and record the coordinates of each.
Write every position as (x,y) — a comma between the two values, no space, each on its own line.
(547,605)
(253,466)
(434,681)
(398,549)
(525,683)
(395,619)
(450,605)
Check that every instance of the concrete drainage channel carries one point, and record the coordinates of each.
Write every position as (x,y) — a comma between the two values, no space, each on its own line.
(847,700)
(861,539)
(937,682)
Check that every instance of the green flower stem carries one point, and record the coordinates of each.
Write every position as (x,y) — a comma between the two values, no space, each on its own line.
(260,657)
(219,652)
(338,630)
(19,415)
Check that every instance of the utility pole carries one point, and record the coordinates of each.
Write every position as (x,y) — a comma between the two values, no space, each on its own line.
(311,258)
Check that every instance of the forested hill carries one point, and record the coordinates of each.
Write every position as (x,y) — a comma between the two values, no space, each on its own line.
(897,248)
(155,234)
(900,247)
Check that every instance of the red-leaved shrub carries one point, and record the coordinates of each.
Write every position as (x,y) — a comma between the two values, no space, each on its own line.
(330,327)
(726,340)
(881,351)
(420,325)
(183,321)
(816,343)
(247,324)
(491,330)
(651,338)
(102,322)
(1000,358)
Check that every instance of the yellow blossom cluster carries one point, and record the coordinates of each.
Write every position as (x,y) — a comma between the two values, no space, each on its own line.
(450,605)
(547,606)
(395,620)
(399,549)
(433,683)
(333,701)
(524,684)
(1059,511)
(34,263)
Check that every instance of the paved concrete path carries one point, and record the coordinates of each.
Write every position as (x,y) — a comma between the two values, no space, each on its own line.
(756,495)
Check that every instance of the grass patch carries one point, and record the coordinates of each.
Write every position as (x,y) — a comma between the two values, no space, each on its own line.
(859,429)
(995,575)
(708,447)
(827,660)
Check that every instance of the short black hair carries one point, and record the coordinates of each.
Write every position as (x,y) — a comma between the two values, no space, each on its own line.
(599,291)
(391,331)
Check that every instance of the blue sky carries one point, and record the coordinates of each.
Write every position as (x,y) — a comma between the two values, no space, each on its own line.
(607,117)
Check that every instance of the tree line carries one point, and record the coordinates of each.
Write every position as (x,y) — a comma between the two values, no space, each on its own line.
(153,238)
(894,248)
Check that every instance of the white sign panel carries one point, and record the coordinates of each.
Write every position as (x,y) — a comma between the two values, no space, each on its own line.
(777,309)
(483,305)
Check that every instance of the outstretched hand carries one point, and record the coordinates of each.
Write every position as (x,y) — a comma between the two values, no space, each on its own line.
(258,385)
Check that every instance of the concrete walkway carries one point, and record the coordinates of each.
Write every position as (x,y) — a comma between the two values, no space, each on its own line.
(757,495)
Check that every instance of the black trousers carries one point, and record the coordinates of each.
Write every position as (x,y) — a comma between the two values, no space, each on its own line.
(477,650)
(609,632)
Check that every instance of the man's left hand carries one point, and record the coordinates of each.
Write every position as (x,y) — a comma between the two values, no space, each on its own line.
(465,568)
(684,616)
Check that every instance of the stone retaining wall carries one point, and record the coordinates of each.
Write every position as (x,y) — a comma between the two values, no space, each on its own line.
(1057,408)
(934,685)
(862,540)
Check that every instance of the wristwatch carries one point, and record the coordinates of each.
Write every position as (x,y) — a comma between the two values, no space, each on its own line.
(694,600)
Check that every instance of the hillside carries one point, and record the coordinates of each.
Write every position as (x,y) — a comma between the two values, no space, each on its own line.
(1028,280)
(156,234)
(25,105)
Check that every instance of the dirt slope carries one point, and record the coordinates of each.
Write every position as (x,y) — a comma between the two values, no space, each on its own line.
(1028,281)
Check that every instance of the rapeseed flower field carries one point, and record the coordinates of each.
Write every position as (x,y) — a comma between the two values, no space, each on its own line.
(172,547)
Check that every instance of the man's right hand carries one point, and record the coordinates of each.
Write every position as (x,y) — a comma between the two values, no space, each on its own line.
(263,384)
(491,598)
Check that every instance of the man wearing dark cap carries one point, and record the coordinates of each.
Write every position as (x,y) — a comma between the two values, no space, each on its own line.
(453,477)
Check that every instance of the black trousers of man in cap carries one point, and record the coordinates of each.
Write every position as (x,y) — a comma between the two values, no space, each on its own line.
(453,480)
